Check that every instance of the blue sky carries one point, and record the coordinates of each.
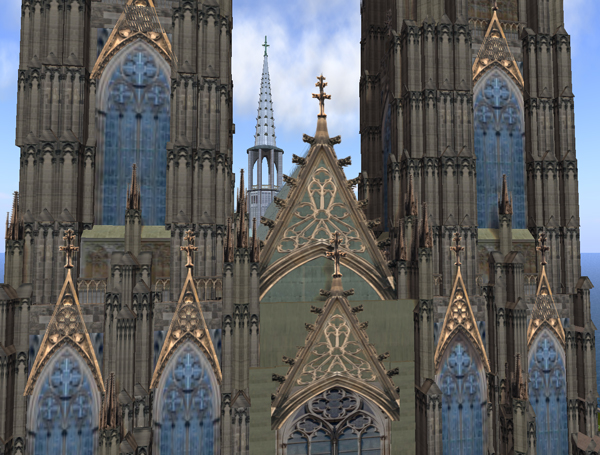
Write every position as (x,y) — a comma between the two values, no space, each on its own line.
(307,38)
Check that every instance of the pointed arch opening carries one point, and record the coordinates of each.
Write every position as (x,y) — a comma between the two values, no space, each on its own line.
(337,421)
(499,147)
(133,123)
(264,162)
(461,376)
(64,407)
(548,392)
(187,405)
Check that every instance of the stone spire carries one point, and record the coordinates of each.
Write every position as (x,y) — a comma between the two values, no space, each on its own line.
(133,192)
(242,227)
(411,201)
(265,123)
(110,417)
(505,203)
(14,228)
(255,256)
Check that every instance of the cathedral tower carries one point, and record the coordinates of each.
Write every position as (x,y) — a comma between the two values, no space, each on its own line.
(264,155)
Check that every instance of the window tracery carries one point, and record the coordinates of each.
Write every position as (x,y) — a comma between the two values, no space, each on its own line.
(64,407)
(464,398)
(547,393)
(187,404)
(134,98)
(336,422)
(499,147)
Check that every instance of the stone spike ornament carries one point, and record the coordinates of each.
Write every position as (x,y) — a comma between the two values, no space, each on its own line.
(66,327)
(505,203)
(337,353)
(229,248)
(242,227)
(544,313)
(134,201)
(265,120)
(14,224)
(255,243)
(495,52)
(459,316)
(139,20)
(188,324)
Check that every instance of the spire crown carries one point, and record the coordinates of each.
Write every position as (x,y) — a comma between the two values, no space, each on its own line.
(265,122)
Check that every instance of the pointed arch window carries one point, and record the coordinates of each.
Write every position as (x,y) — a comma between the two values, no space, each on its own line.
(548,393)
(133,99)
(187,405)
(461,378)
(64,408)
(337,422)
(499,147)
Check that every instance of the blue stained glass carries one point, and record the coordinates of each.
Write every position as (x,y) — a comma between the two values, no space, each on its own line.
(548,394)
(134,102)
(188,404)
(499,147)
(462,381)
(65,407)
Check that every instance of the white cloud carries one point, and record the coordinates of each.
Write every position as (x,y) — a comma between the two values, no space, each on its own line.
(307,38)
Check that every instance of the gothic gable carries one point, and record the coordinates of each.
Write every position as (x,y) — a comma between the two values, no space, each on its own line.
(139,20)
(187,324)
(319,203)
(337,353)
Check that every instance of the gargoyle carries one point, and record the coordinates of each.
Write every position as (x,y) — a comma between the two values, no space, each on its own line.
(316,310)
(278,378)
(335,140)
(288,361)
(267,222)
(345,162)
(298,160)
(383,357)
(279,202)
(290,180)
(358,309)
(308,139)
(394,372)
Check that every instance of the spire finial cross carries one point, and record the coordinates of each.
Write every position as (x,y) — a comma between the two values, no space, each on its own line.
(543,248)
(495,7)
(69,249)
(458,248)
(321,96)
(336,254)
(190,248)
(266,46)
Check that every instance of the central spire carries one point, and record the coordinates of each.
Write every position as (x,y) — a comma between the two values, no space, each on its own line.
(265,123)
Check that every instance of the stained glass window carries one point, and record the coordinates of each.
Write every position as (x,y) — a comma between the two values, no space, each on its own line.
(64,407)
(187,405)
(548,394)
(134,97)
(337,422)
(499,139)
(464,399)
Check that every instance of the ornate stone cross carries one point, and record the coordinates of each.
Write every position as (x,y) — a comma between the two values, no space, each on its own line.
(458,248)
(336,254)
(69,249)
(266,46)
(543,248)
(321,96)
(190,248)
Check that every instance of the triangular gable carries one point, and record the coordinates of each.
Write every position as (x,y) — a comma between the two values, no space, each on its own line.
(337,353)
(138,21)
(187,324)
(460,319)
(495,51)
(66,327)
(544,313)
(320,202)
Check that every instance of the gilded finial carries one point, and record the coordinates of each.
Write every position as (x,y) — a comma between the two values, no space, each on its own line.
(321,96)
(495,7)
(543,248)
(69,249)
(458,248)
(266,46)
(190,248)
(336,254)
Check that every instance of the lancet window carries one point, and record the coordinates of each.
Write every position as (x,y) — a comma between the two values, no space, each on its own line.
(134,96)
(337,422)
(64,408)
(548,393)
(187,406)
(464,399)
(499,147)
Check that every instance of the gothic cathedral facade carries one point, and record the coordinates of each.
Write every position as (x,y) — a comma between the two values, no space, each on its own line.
(146,309)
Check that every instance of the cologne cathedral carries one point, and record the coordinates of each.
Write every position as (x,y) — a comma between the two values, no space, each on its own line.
(432,305)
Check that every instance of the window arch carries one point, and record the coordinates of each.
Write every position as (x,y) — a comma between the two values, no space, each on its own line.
(499,147)
(133,99)
(548,393)
(336,422)
(187,405)
(461,378)
(64,408)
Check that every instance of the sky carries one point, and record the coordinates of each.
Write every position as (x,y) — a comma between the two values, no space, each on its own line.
(311,37)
